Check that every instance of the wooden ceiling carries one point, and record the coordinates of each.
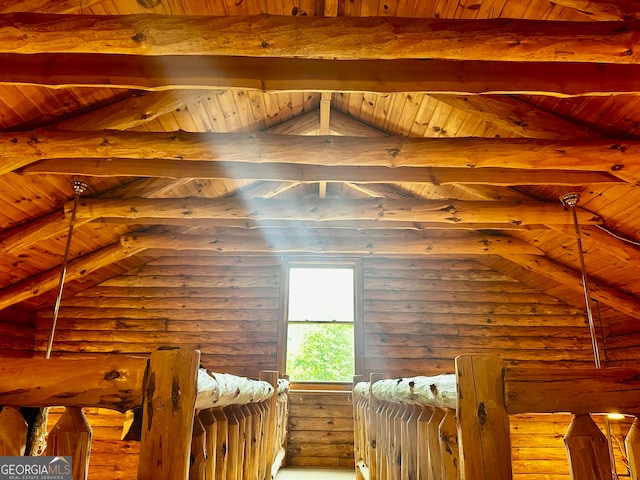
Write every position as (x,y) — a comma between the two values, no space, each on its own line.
(359,127)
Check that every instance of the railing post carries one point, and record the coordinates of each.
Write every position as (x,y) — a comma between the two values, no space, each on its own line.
(483,421)
(168,411)
(587,450)
(71,436)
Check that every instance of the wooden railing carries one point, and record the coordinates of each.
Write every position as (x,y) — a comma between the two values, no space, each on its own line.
(457,426)
(196,424)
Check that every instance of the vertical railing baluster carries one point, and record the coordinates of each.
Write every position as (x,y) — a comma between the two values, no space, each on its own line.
(434,470)
(449,453)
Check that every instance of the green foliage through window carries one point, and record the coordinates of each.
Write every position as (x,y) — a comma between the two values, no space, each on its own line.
(320,323)
(320,352)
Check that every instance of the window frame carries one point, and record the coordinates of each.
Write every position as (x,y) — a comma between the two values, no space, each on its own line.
(358,340)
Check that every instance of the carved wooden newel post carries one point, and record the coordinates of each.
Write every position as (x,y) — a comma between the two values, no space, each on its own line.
(483,421)
(13,432)
(168,410)
(71,436)
(587,450)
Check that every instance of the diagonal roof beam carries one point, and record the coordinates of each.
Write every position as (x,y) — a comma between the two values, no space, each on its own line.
(76,268)
(607,294)
(64,6)
(604,9)
(138,109)
(517,116)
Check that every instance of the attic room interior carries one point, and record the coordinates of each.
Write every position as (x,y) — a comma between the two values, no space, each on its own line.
(167,168)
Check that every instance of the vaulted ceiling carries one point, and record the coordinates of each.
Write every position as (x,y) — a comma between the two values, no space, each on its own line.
(336,127)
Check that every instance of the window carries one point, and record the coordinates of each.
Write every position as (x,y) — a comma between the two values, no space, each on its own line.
(320,319)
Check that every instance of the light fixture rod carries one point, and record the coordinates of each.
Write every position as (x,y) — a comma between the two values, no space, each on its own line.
(79,188)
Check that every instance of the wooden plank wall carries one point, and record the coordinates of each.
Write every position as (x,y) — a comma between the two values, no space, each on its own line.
(227,307)
(418,315)
(325,438)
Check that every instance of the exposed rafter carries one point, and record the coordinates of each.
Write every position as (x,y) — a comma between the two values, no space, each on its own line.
(302,74)
(294,172)
(345,38)
(329,242)
(572,279)
(444,211)
(136,110)
(518,117)
(21,149)
(604,9)
(79,267)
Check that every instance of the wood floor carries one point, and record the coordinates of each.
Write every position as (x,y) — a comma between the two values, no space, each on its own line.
(315,474)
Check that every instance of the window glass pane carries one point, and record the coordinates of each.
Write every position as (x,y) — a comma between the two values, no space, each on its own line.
(321,294)
(321,352)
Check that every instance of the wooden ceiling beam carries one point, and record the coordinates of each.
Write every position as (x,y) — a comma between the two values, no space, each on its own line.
(518,117)
(618,157)
(303,241)
(77,268)
(596,237)
(559,79)
(608,10)
(29,234)
(315,210)
(344,38)
(293,172)
(55,6)
(607,294)
(345,226)
(135,110)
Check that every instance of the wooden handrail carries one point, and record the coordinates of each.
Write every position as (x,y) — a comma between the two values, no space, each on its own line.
(437,391)
(549,390)
(482,394)
(113,381)
(188,412)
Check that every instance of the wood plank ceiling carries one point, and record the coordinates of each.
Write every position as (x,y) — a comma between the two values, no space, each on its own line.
(389,128)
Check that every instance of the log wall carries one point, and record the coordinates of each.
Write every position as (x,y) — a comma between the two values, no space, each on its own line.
(324,438)
(418,315)
(17,331)
(227,307)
